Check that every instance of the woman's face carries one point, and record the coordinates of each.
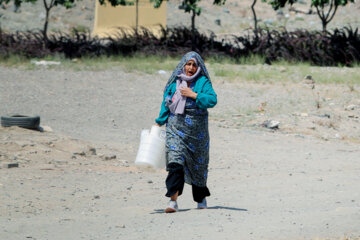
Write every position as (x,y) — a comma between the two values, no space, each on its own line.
(190,68)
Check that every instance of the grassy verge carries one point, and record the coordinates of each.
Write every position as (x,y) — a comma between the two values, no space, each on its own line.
(285,72)
(247,69)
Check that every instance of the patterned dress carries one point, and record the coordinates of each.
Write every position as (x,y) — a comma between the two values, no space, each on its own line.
(187,142)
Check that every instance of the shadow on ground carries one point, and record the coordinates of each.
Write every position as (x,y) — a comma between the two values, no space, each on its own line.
(159,211)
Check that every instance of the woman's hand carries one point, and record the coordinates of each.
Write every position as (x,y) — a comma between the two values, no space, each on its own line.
(187,92)
(156,124)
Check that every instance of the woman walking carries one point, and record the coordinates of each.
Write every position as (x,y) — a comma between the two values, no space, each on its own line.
(187,96)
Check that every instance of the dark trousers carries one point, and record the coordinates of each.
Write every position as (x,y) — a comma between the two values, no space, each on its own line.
(175,182)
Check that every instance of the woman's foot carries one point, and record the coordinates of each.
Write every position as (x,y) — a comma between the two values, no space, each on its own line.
(172,207)
(203,204)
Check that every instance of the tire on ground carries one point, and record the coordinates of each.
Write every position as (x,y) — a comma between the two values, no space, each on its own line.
(21,121)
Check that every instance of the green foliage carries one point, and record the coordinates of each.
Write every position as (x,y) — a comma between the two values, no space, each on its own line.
(70,3)
(17,2)
(189,5)
(323,3)
(118,2)
(326,9)
(65,3)
(79,29)
(276,4)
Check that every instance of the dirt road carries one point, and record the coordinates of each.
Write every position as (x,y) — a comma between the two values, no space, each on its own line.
(80,182)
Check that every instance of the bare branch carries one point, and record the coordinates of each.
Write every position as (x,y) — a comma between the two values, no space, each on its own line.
(292,9)
(319,13)
(332,16)
(52,3)
(45,4)
(330,8)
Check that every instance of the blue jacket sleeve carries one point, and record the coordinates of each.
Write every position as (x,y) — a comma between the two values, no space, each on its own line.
(164,110)
(206,97)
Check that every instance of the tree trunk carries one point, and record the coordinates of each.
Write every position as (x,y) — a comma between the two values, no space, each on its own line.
(47,9)
(254,14)
(324,23)
(137,18)
(193,45)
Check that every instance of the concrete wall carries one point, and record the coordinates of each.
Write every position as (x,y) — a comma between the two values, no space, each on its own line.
(108,18)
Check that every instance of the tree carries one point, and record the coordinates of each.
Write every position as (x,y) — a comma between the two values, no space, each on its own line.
(49,4)
(327,15)
(190,6)
(276,4)
(325,9)
(254,14)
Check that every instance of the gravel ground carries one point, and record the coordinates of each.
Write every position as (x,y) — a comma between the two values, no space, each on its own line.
(79,181)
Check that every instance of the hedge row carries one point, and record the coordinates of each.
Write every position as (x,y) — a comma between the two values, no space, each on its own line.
(339,47)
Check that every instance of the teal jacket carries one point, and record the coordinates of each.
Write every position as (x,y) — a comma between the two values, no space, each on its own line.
(206,97)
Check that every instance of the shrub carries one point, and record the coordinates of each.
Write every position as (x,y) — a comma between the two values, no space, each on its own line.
(341,47)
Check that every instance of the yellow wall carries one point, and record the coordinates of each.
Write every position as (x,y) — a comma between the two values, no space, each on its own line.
(109,18)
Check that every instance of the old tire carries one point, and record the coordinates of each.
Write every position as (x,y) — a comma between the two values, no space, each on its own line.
(21,121)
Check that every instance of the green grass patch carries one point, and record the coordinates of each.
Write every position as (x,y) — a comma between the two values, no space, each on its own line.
(14,61)
(286,72)
(147,65)
(143,64)
(249,69)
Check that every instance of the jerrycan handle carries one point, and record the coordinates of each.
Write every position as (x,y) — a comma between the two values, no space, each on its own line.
(155,131)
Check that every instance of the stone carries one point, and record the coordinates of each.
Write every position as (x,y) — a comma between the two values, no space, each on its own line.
(225,10)
(280,13)
(271,124)
(109,157)
(92,151)
(218,22)
(350,107)
(338,136)
(10,165)
(80,153)
(45,129)
(309,81)
(45,63)
(268,21)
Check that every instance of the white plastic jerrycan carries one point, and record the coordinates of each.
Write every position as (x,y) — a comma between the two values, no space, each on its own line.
(151,151)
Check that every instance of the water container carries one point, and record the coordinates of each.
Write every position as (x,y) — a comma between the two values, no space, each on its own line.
(151,151)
